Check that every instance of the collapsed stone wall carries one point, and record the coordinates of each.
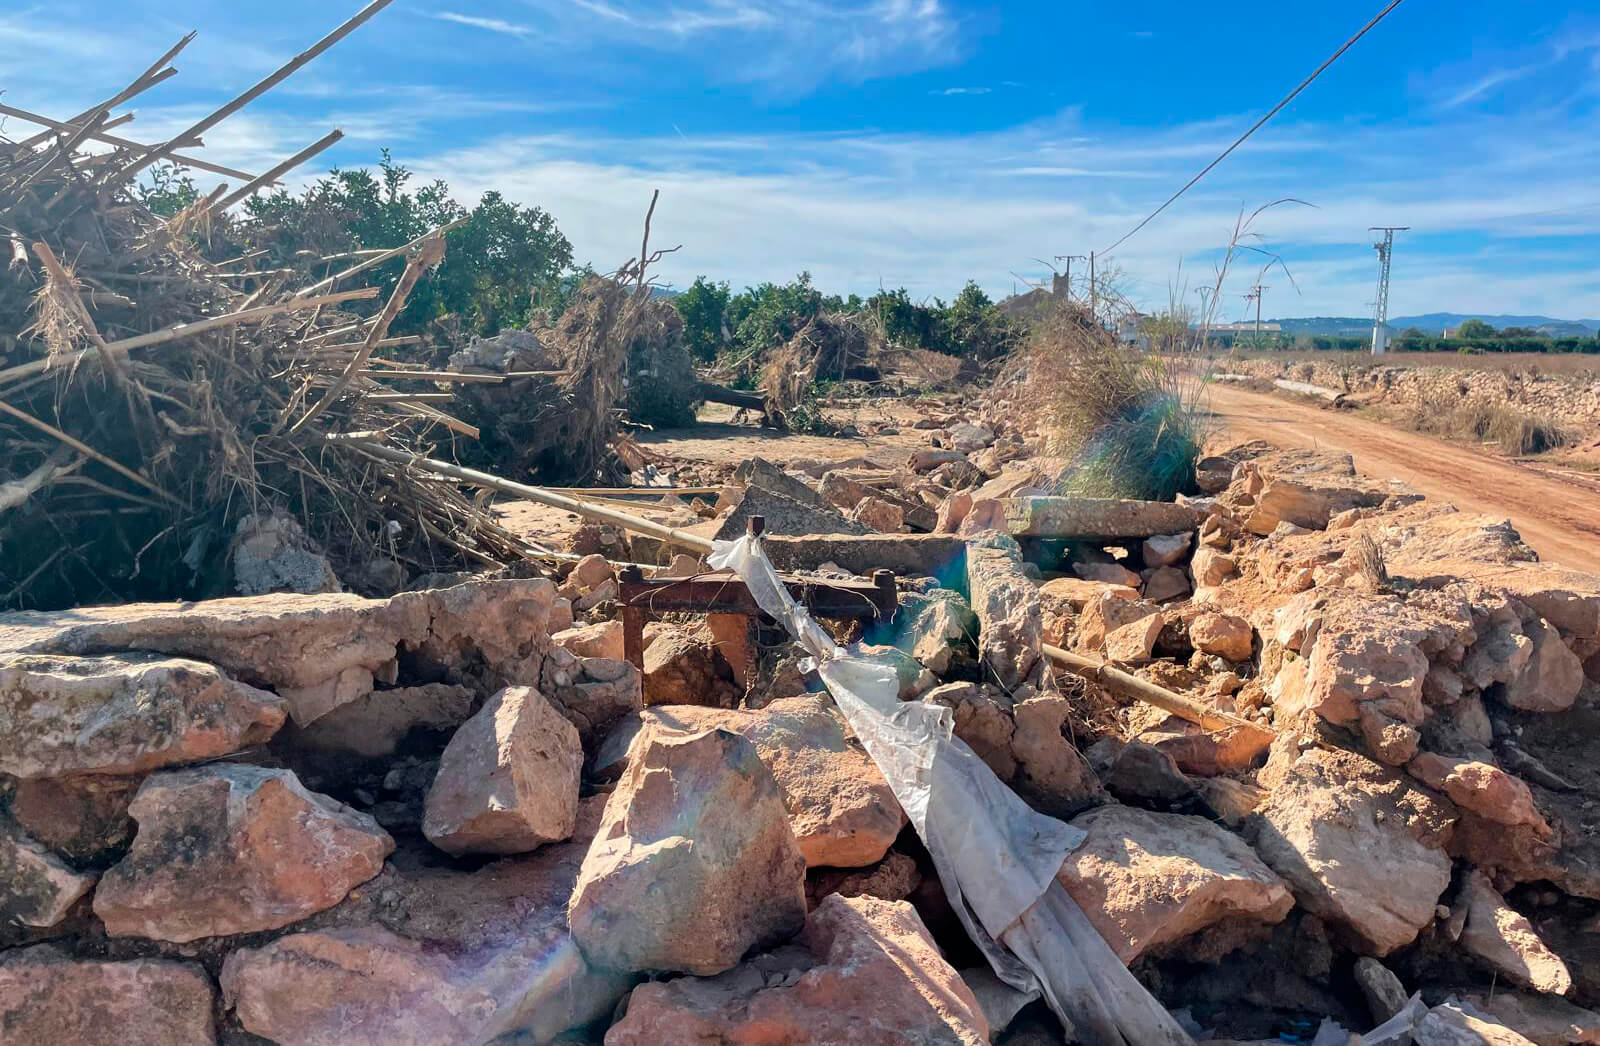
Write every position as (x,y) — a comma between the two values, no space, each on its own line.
(1569,398)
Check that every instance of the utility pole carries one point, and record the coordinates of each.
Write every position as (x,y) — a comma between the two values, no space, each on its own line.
(1094,296)
(1069,259)
(1255,293)
(1380,318)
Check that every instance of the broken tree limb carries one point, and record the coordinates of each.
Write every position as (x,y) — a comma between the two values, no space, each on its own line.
(1128,685)
(489,481)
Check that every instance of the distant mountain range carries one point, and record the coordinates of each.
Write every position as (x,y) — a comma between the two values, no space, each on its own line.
(1435,323)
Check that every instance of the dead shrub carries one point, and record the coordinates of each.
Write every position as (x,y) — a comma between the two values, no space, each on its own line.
(1514,431)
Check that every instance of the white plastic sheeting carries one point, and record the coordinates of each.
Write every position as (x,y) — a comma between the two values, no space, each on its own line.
(996,856)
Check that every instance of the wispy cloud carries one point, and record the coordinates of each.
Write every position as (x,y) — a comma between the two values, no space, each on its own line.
(493,25)
(948,91)
(791,45)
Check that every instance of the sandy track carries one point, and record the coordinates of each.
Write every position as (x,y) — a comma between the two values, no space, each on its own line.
(1560,520)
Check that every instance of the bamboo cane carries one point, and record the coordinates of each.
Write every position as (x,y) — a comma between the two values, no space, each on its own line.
(489,481)
(1128,685)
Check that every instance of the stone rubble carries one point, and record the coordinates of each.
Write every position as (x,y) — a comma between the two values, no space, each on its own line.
(460,815)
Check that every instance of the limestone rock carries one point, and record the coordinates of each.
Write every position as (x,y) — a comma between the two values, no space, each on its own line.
(1384,993)
(1504,939)
(318,651)
(1147,880)
(1102,616)
(1134,641)
(592,692)
(864,973)
(602,639)
(881,515)
(1051,774)
(1210,568)
(80,818)
(1107,574)
(1455,1025)
(1078,593)
(1223,635)
(226,849)
(1552,676)
(36,887)
(1358,845)
(1165,584)
(1165,550)
(373,726)
(680,669)
(508,779)
(929,626)
(694,863)
(123,714)
(1007,604)
(1482,788)
(841,810)
(430,956)
(1546,1020)
(47,998)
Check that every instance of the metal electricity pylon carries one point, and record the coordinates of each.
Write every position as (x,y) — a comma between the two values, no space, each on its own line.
(1380,319)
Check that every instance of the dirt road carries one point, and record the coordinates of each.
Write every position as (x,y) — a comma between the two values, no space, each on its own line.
(1559,519)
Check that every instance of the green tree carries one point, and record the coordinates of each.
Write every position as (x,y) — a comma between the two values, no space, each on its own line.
(1475,330)
(906,323)
(167,189)
(703,307)
(974,326)
(768,315)
(502,262)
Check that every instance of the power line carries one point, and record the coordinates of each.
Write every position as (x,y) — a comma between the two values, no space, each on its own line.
(1259,123)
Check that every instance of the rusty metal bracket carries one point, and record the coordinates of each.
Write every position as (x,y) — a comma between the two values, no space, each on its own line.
(722,592)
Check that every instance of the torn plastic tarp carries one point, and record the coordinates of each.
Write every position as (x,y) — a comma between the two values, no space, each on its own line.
(997,857)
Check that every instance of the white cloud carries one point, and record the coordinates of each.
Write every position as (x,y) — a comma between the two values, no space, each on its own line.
(963,90)
(493,25)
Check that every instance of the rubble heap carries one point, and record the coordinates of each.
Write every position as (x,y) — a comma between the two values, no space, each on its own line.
(460,815)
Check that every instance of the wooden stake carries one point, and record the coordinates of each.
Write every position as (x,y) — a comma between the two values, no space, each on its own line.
(272,176)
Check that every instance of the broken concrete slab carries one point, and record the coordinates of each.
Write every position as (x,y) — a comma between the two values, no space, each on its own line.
(759,472)
(1007,604)
(941,555)
(1071,517)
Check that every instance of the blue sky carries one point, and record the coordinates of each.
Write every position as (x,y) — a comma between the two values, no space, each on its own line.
(924,142)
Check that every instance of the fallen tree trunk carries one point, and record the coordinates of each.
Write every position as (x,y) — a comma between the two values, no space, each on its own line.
(714,393)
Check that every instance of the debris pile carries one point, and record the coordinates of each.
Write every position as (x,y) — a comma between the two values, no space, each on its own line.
(1326,741)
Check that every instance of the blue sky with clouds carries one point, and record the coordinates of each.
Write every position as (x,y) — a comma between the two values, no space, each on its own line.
(924,142)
